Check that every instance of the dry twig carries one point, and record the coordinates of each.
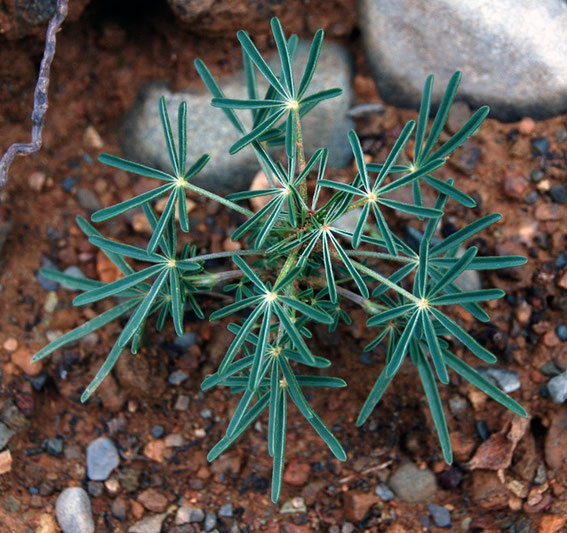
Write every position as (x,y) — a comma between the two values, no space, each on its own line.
(40,95)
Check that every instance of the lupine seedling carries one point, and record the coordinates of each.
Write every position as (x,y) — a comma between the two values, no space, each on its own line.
(302,270)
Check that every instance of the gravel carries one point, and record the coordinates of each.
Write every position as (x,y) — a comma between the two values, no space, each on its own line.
(412,484)
(507,380)
(384,493)
(441,516)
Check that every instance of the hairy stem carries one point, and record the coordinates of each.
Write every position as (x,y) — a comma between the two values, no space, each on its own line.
(300,153)
(218,255)
(380,255)
(219,199)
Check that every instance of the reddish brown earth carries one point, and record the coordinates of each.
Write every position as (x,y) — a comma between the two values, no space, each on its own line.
(101,62)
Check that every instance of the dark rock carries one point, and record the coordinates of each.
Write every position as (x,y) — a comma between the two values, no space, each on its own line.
(88,200)
(54,446)
(558,194)
(404,46)
(13,417)
(482,429)
(531,197)
(95,488)
(451,479)
(537,175)
(561,260)
(5,435)
(540,145)
(69,183)
(185,341)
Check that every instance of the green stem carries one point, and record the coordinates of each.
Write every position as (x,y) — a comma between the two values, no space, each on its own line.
(219,199)
(385,281)
(380,255)
(217,255)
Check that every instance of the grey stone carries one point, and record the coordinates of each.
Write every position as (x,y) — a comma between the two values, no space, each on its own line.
(209,131)
(5,435)
(507,380)
(54,446)
(73,511)
(210,521)
(226,510)
(102,459)
(384,493)
(151,524)
(13,417)
(513,55)
(441,517)
(348,221)
(177,377)
(185,341)
(412,484)
(365,110)
(47,284)
(557,387)
(88,200)
(74,272)
(469,280)
(457,405)
(186,515)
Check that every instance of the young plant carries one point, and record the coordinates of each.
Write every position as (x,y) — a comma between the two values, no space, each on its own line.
(304,266)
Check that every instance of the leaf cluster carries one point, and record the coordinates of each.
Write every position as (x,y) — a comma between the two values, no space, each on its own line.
(305,265)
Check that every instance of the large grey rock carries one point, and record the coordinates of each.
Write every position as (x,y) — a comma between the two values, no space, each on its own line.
(209,131)
(73,511)
(513,54)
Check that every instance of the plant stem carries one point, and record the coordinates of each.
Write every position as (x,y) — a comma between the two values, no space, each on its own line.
(300,153)
(217,255)
(219,199)
(380,255)
(369,306)
(385,281)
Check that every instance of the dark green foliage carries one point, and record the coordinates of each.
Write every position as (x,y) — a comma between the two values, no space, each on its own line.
(305,267)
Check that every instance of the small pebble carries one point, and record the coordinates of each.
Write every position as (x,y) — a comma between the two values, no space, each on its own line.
(47,284)
(560,135)
(561,260)
(88,200)
(102,459)
(182,403)
(210,521)
(151,524)
(10,344)
(384,493)
(69,183)
(74,272)
(557,388)
(226,510)
(177,377)
(536,175)
(441,517)
(558,194)
(54,446)
(157,431)
(206,413)
(482,429)
(531,197)
(507,380)
(412,484)
(186,515)
(95,488)
(5,435)
(561,332)
(185,341)
(39,381)
(540,145)
(73,511)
